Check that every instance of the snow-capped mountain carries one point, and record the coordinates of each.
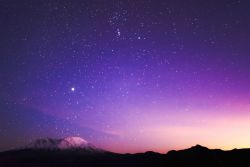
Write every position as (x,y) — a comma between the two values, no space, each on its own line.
(73,142)
(62,144)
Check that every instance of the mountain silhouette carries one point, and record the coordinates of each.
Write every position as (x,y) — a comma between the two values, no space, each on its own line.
(62,144)
(76,152)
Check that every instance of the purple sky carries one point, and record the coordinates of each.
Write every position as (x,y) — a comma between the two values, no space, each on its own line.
(127,76)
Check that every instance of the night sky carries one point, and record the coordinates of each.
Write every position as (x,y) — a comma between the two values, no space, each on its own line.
(127,76)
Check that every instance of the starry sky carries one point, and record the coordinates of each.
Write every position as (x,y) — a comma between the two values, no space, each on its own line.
(126,75)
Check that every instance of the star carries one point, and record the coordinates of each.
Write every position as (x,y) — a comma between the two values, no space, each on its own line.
(118,32)
(73,89)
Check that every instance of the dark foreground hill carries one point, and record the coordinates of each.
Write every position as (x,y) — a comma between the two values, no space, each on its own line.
(194,156)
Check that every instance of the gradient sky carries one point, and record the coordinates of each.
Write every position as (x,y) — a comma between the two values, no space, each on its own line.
(127,76)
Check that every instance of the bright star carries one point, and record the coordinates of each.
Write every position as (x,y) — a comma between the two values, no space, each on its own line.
(73,89)
(118,32)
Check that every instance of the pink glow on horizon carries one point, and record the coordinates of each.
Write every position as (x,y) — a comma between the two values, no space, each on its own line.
(224,130)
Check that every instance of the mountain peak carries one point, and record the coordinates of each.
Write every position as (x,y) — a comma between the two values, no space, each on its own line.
(75,139)
(198,147)
(65,143)
(73,142)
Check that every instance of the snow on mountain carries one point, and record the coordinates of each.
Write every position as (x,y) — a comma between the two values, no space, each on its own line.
(66,143)
(73,142)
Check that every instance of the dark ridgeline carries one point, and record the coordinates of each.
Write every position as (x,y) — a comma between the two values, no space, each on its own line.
(194,156)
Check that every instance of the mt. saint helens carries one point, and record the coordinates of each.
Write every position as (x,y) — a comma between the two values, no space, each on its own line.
(62,144)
